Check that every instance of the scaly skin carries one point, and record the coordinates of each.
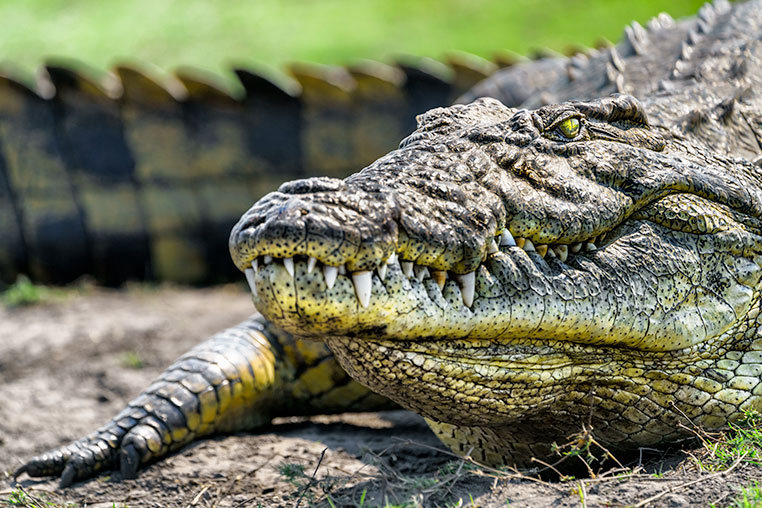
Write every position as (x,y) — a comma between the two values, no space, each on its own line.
(511,273)
(660,319)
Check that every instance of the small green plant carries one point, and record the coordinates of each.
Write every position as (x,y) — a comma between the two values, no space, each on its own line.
(293,473)
(750,497)
(743,439)
(23,292)
(132,360)
(21,497)
(17,498)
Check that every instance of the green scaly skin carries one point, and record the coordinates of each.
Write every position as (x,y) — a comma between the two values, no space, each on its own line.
(511,274)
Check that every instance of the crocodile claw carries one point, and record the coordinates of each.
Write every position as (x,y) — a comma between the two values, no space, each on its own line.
(85,458)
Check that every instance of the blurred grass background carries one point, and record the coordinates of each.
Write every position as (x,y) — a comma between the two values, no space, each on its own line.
(268,34)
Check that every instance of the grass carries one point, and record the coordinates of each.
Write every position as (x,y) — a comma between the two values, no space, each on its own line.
(742,439)
(132,360)
(750,497)
(271,33)
(24,292)
(22,498)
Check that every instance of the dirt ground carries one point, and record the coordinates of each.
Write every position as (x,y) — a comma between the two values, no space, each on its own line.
(68,365)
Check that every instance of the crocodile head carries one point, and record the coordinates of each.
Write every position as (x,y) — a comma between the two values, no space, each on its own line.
(514,269)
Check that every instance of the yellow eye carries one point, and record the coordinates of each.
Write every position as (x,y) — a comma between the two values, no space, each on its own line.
(569,127)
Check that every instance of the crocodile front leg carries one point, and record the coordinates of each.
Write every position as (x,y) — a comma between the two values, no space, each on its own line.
(237,380)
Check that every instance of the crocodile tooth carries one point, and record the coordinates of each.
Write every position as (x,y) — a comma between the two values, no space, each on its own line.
(492,247)
(382,270)
(407,268)
(590,247)
(576,247)
(562,251)
(507,239)
(330,273)
(250,279)
(440,277)
(467,283)
(550,254)
(342,270)
(541,249)
(392,259)
(528,245)
(311,262)
(421,272)
(289,264)
(255,265)
(267,260)
(363,282)
(521,242)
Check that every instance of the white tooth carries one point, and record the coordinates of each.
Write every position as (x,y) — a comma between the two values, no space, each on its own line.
(492,247)
(528,245)
(541,249)
(363,283)
(550,254)
(576,247)
(267,260)
(255,265)
(382,270)
(440,277)
(250,279)
(562,251)
(421,272)
(311,262)
(521,242)
(467,285)
(507,239)
(342,270)
(589,247)
(289,264)
(392,259)
(407,268)
(330,273)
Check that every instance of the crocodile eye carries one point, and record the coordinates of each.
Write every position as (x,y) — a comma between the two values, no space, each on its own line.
(569,128)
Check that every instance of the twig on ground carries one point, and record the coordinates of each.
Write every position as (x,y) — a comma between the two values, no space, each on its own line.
(197,497)
(312,480)
(688,484)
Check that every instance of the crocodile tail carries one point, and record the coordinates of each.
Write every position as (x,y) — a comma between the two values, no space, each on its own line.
(131,176)
(239,379)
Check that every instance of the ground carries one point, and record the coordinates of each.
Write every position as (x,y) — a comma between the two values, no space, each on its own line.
(73,360)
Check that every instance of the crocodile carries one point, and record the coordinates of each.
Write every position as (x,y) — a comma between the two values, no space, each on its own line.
(513,274)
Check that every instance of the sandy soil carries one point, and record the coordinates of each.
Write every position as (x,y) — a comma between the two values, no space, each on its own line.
(68,365)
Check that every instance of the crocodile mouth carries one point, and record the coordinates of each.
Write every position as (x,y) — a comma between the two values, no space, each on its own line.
(581,293)
(505,232)
(362,281)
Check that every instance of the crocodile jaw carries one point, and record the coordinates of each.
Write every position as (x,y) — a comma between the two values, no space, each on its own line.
(607,296)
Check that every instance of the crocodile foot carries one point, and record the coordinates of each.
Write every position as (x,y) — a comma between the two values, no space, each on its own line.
(118,445)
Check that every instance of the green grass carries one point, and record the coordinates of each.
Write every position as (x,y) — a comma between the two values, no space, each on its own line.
(742,439)
(132,360)
(750,497)
(24,292)
(270,33)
